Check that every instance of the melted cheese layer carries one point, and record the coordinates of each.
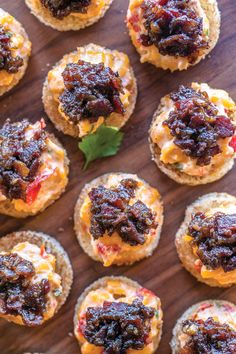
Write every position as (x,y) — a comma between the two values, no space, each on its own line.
(118,62)
(45,268)
(20,46)
(112,249)
(151,54)
(117,291)
(172,154)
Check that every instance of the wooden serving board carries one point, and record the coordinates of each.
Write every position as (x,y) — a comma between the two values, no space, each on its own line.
(162,272)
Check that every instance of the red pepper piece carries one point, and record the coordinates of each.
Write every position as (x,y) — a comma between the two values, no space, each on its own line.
(34,187)
(233,143)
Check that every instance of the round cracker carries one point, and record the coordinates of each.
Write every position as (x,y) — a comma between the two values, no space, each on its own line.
(102,283)
(84,240)
(51,106)
(63,264)
(202,204)
(7,208)
(212,12)
(175,344)
(21,72)
(69,22)
(181,177)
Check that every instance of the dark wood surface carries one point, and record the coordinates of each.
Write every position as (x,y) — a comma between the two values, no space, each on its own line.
(162,272)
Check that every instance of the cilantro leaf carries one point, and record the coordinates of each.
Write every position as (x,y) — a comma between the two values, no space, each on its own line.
(103,143)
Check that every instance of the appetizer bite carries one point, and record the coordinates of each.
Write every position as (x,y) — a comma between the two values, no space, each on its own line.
(206,240)
(117,315)
(192,136)
(15,50)
(173,34)
(66,15)
(90,87)
(36,277)
(33,168)
(207,327)
(118,219)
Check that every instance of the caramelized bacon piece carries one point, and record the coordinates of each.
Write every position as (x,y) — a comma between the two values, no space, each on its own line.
(173,27)
(111,213)
(62,8)
(118,326)
(196,125)
(7,61)
(215,238)
(18,295)
(207,337)
(19,158)
(91,91)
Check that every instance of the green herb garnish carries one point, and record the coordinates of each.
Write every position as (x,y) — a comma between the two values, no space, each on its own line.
(57,292)
(103,143)
(178,166)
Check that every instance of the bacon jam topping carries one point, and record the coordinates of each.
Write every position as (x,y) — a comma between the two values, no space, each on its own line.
(62,8)
(118,326)
(7,61)
(196,125)
(174,27)
(19,158)
(208,337)
(18,295)
(215,238)
(111,213)
(91,91)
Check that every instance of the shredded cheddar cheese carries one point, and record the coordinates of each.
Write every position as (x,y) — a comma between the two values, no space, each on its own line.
(220,275)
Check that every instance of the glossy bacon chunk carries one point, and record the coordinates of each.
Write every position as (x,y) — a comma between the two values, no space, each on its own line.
(7,61)
(118,326)
(173,27)
(196,125)
(91,91)
(20,159)
(18,295)
(62,8)
(215,238)
(207,337)
(111,213)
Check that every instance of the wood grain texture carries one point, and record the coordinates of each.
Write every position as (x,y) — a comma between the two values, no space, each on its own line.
(163,272)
